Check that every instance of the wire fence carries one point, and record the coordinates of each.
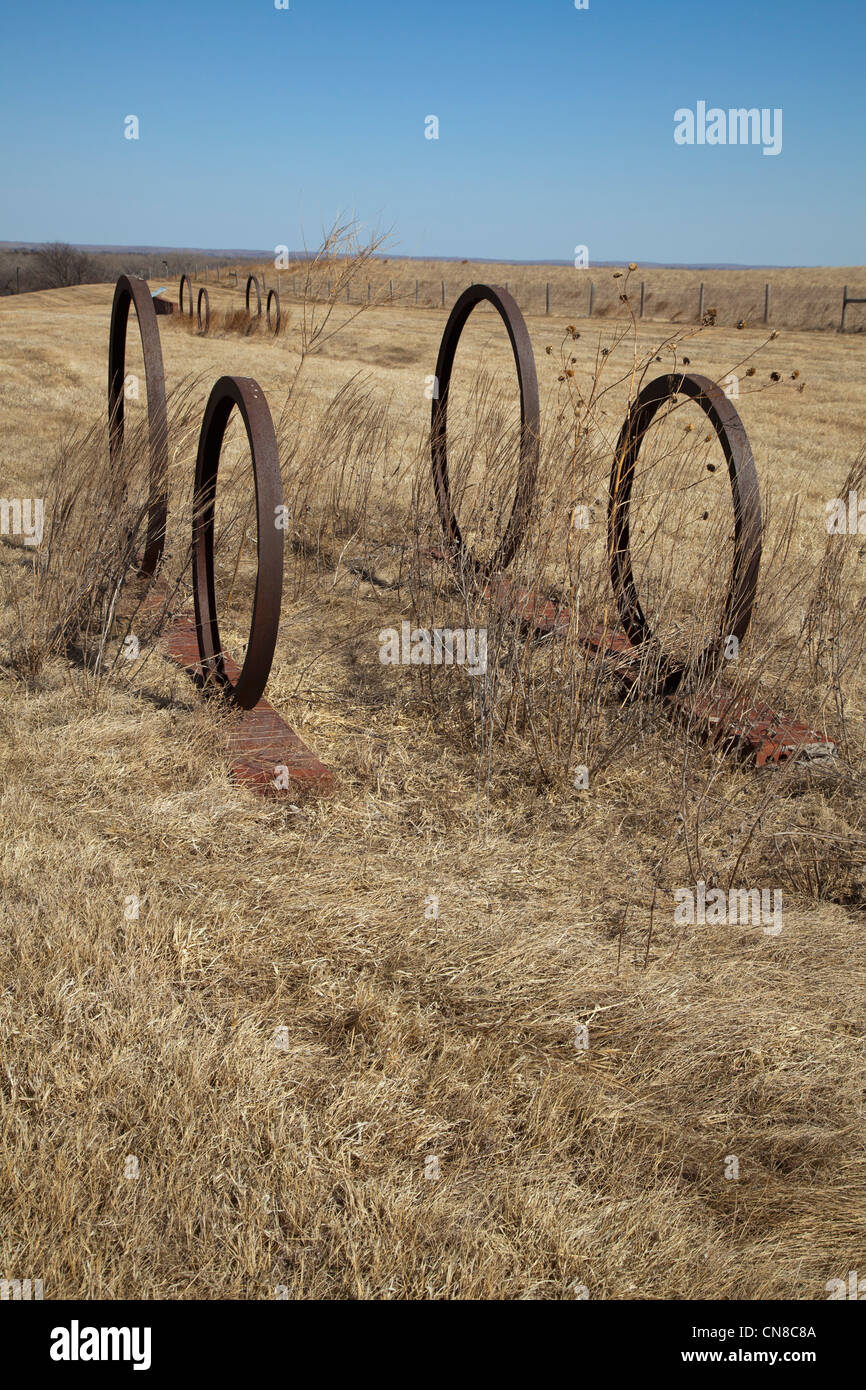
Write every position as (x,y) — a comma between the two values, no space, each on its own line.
(786,306)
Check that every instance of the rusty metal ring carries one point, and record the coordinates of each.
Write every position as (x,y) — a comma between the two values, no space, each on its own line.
(748,524)
(131,290)
(252,281)
(203,296)
(248,396)
(524,360)
(272,295)
(185,280)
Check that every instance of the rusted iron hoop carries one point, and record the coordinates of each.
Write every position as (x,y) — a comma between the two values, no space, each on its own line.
(748,524)
(248,396)
(131,290)
(460,555)
(272,295)
(203,298)
(185,280)
(252,281)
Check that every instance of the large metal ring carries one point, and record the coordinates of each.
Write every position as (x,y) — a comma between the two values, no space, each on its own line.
(461,557)
(250,400)
(203,298)
(253,282)
(748,524)
(185,280)
(272,295)
(130,290)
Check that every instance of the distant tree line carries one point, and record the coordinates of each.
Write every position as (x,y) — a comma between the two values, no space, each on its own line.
(58,265)
(48,267)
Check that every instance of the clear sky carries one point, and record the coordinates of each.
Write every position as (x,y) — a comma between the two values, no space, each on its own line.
(556,125)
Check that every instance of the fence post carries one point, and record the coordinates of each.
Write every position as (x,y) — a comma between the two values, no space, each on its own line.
(547,298)
(767,302)
(368,291)
(844,307)
(443,294)
(701,304)
(591,296)
(391,290)
(642,297)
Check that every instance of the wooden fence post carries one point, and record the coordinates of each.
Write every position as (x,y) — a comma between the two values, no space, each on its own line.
(846,300)
(642,297)
(547,298)
(767,302)
(591,296)
(701,304)
(443,294)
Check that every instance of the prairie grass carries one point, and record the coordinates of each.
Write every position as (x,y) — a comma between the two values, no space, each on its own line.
(342,1039)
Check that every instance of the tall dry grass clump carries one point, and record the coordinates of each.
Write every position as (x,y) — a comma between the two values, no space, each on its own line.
(75,596)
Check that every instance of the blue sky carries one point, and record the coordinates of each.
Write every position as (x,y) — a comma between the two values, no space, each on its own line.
(555,126)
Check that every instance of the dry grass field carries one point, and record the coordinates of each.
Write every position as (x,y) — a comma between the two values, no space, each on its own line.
(287,1072)
(809,298)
